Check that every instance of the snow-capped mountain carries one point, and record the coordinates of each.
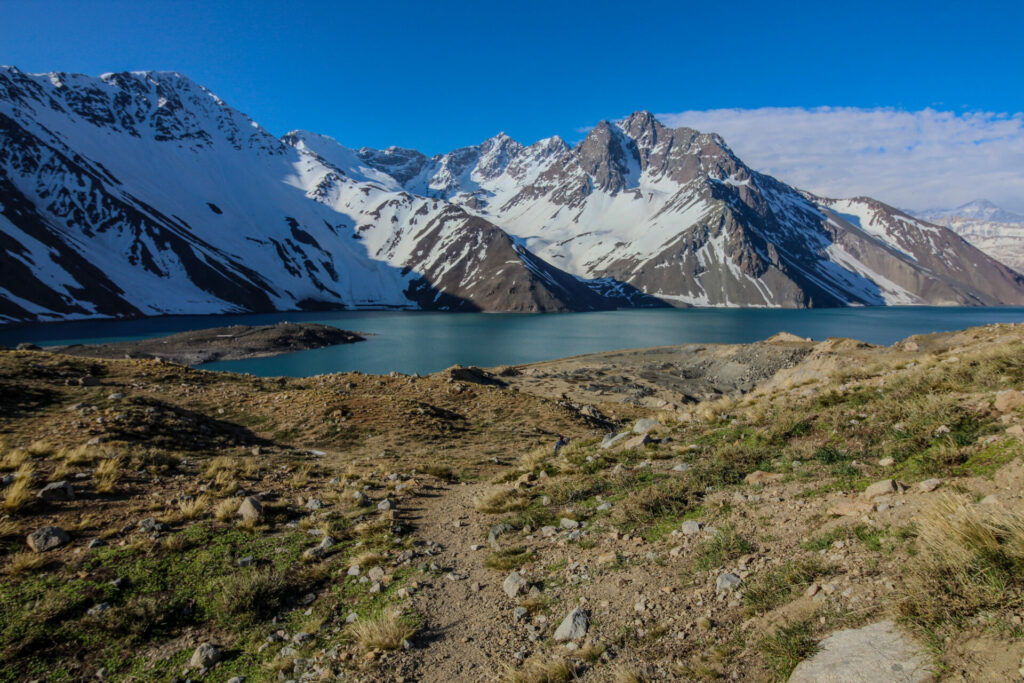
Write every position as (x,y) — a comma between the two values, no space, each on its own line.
(674,214)
(997,232)
(145,194)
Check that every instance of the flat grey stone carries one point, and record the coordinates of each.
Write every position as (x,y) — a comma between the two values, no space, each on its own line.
(878,652)
(645,425)
(58,490)
(727,582)
(513,585)
(47,538)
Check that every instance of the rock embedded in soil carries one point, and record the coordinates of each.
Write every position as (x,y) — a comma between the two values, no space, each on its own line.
(574,626)
(762,477)
(881,488)
(645,426)
(250,510)
(878,652)
(58,490)
(205,656)
(1008,400)
(690,527)
(929,485)
(47,538)
(513,585)
(727,581)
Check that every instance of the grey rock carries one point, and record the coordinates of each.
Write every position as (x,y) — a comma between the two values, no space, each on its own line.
(301,637)
(116,396)
(205,656)
(47,538)
(604,506)
(97,610)
(611,440)
(567,523)
(385,505)
(520,613)
(682,467)
(878,652)
(645,426)
(690,527)
(727,581)
(376,574)
(574,626)
(250,510)
(351,618)
(354,570)
(497,531)
(929,485)
(513,585)
(314,504)
(245,561)
(150,525)
(58,490)
(637,441)
(96,543)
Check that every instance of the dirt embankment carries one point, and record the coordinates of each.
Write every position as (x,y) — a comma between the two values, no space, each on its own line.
(221,343)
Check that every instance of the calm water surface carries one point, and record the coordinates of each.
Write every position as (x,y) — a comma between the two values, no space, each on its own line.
(427,342)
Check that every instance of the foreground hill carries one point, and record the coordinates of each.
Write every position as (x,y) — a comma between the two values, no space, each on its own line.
(143,193)
(161,522)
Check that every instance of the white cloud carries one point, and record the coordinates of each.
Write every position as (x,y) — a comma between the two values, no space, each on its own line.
(912,159)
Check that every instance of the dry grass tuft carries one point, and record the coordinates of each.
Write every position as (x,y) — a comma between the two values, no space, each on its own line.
(24,562)
(549,670)
(195,508)
(80,455)
(225,510)
(384,632)
(40,449)
(499,500)
(19,494)
(971,560)
(624,674)
(14,458)
(107,474)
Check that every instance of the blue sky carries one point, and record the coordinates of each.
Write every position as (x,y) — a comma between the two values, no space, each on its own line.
(435,76)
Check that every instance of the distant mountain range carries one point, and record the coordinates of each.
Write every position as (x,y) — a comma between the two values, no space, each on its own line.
(998,233)
(144,194)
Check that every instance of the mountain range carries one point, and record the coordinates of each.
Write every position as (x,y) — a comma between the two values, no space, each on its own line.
(144,193)
(997,232)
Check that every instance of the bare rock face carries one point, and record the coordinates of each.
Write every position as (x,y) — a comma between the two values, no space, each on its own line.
(878,652)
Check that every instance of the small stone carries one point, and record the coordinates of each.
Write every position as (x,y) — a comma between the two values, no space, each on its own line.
(513,585)
(245,561)
(567,523)
(96,543)
(250,510)
(1008,400)
(880,488)
(520,613)
(682,467)
(886,462)
(97,610)
(385,505)
(727,581)
(690,527)
(604,506)
(116,396)
(574,626)
(58,490)
(205,656)
(351,618)
(929,485)
(314,504)
(376,574)
(497,531)
(812,590)
(645,426)
(301,637)
(354,570)
(47,538)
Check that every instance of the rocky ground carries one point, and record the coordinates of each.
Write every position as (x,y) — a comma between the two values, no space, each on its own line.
(791,509)
(219,343)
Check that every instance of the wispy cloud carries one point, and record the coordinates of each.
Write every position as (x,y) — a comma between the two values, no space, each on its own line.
(913,159)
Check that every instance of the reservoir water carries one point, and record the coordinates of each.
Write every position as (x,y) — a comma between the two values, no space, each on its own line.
(427,342)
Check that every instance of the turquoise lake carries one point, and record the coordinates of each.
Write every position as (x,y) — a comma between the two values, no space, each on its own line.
(427,342)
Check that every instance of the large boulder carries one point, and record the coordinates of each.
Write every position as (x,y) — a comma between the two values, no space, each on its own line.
(47,538)
(878,652)
(205,656)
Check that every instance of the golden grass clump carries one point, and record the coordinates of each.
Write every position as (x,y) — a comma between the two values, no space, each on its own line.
(14,458)
(624,674)
(225,510)
(40,449)
(107,474)
(384,632)
(222,463)
(710,412)
(79,455)
(502,499)
(971,560)
(194,508)
(539,670)
(23,562)
(19,494)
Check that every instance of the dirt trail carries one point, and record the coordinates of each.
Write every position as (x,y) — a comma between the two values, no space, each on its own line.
(466,637)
